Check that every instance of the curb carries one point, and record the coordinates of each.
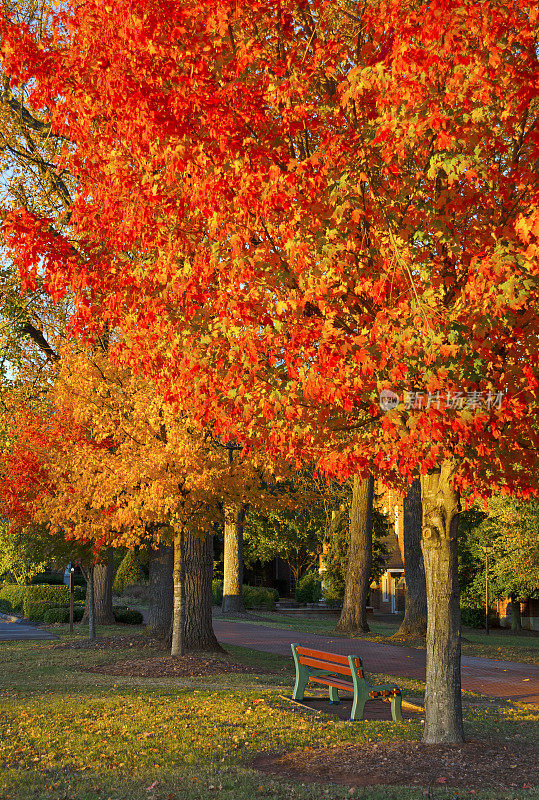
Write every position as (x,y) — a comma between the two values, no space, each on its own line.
(412,707)
(8,618)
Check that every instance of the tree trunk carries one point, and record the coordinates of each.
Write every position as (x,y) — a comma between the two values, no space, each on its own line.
(161,565)
(178,618)
(443,708)
(90,599)
(356,591)
(414,624)
(516,620)
(192,627)
(233,559)
(103,579)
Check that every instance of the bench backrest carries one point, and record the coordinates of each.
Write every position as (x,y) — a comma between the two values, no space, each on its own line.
(329,662)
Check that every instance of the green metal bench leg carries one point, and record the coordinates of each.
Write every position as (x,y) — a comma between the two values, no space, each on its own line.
(299,686)
(358,706)
(334,695)
(396,708)
(302,677)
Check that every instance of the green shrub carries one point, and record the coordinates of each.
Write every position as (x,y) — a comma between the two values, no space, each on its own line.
(472,617)
(56,614)
(56,579)
(5,607)
(475,617)
(14,595)
(217,592)
(253,596)
(49,578)
(48,594)
(259,597)
(35,610)
(128,572)
(128,616)
(309,588)
(43,611)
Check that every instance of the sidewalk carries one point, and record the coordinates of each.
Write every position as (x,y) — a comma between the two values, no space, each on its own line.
(506,679)
(12,630)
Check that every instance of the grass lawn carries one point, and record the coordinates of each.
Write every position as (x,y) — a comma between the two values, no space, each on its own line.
(67,734)
(501,645)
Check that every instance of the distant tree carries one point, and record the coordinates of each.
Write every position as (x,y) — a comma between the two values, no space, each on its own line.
(414,624)
(295,536)
(294,521)
(127,573)
(510,531)
(21,556)
(336,558)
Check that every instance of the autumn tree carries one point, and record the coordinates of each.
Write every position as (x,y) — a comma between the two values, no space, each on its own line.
(119,466)
(21,557)
(337,556)
(414,624)
(161,589)
(301,206)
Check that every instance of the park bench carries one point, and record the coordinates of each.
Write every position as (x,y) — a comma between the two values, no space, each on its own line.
(333,670)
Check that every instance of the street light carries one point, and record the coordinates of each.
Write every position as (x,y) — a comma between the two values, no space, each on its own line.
(71,598)
(486,550)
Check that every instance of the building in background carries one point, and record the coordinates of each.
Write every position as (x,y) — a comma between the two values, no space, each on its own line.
(388,594)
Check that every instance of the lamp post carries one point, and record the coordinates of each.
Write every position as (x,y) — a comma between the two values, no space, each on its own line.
(71,598)
(486,551)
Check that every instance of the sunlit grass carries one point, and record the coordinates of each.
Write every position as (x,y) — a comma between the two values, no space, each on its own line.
(67,734)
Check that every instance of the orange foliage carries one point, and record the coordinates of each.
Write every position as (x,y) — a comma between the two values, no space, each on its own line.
(107,460)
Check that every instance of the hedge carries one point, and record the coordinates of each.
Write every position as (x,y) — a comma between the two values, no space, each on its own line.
(253,596)
(13,594)
(43,611)
(217,592)
(22,598)
(52,579)
(475,617)
(127,616)
(56,614)
(259,597)
(47,578)
(309,588)
(5,607)
(48,594)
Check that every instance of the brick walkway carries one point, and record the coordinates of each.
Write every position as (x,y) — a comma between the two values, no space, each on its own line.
(506,679)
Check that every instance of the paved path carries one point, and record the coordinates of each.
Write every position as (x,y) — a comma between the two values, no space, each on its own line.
(507,679)
(12,631)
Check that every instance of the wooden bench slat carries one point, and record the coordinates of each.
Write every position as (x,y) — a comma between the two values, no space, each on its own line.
(349,687)
(317,664)
(335,658)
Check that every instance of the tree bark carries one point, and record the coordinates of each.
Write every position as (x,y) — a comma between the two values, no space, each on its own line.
(178,618)
(161,565)
(192,627)
(233,559)
(90,598)
(516,620)
(356,591)
(414,624)
(441,507)
(103,578)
